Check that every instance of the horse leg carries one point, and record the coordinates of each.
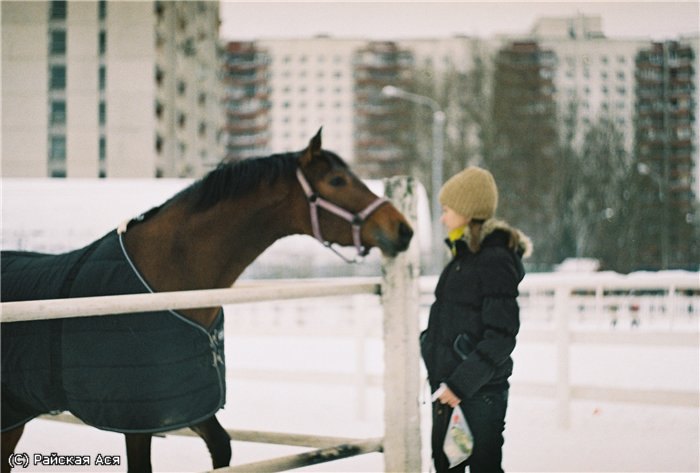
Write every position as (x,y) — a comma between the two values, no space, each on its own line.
(9,442)
(138,453)
(217,440)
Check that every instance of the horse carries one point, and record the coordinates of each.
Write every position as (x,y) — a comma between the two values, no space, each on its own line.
(201,238)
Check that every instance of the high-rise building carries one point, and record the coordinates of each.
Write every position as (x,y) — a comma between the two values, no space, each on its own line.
(525,127)
(594,77)
(246,100)
(110,89)
(324,81)
(188,87)
(665,138)
(311,86)
(287,89)
(379,131)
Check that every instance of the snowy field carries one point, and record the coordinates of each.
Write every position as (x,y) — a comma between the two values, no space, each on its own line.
(267,347)
(602,437)
(268,396)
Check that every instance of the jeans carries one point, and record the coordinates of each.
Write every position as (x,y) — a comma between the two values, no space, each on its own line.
(485,414)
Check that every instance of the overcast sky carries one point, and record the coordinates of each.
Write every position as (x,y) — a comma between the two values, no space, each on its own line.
(396,20)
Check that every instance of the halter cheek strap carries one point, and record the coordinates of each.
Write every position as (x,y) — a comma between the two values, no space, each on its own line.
(356,220)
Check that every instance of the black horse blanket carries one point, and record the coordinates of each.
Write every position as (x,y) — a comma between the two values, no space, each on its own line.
(144,372)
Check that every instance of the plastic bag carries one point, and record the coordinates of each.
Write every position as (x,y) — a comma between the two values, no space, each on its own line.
(459,442)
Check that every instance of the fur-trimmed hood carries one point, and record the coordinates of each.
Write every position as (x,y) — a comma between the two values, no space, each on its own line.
(517,240)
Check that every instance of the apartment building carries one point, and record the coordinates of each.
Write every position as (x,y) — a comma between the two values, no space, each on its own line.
(246,100)
(109,89)
(380,131)
(311,86)
(595,75)
(665,132)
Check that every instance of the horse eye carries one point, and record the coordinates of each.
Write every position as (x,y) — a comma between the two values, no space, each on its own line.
(337,181)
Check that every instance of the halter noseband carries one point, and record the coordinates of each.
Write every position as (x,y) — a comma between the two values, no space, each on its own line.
(355,219)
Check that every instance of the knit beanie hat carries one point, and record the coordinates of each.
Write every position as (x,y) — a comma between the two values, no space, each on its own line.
(471,193)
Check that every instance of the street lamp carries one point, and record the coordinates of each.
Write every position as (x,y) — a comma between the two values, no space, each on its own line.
(438,159)
(644,170)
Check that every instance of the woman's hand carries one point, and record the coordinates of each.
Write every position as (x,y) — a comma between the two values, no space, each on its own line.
(448,397)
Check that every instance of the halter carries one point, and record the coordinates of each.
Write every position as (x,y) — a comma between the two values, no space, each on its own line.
(355,219)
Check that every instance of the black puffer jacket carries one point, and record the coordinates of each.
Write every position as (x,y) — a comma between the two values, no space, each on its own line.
(476,301)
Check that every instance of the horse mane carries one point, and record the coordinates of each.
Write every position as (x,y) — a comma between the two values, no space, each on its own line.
(231,179)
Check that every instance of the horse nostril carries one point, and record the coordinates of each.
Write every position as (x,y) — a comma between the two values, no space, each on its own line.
(405,234)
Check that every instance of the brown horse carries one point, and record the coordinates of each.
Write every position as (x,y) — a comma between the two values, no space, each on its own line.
(204,237)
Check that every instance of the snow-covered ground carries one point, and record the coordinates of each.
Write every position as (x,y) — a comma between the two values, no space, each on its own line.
(603,436)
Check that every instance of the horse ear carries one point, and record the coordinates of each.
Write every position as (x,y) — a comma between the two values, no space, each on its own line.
(313,150)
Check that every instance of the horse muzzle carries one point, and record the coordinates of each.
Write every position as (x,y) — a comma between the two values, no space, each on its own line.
(395,243)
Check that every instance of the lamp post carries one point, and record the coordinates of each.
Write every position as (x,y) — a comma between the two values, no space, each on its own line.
(644,170)
(438,159)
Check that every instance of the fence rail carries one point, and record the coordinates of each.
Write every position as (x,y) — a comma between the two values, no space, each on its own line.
(242,293)
(562,295)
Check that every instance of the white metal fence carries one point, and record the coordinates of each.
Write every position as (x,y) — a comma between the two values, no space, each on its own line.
(558,310)
(562,311)
(661,309)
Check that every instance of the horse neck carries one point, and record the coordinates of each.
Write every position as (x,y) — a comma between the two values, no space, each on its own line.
(178,249)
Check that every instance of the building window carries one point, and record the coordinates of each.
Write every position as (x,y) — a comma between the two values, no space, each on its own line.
(102,38)
(57,148)
(102,113)
(58,112)
(159,9)
(58,10)
(102,9)
(102,77)
(58,42)
(103,157)
(57,77)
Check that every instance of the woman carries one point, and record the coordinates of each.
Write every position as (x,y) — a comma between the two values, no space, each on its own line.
(474,319)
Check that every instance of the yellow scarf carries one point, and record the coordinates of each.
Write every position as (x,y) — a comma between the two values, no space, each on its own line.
(453,236)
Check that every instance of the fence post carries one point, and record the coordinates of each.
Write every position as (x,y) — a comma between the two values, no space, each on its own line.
(563,341)
(400,294)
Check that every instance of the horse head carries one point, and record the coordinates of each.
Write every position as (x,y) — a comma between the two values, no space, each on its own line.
(351,213)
